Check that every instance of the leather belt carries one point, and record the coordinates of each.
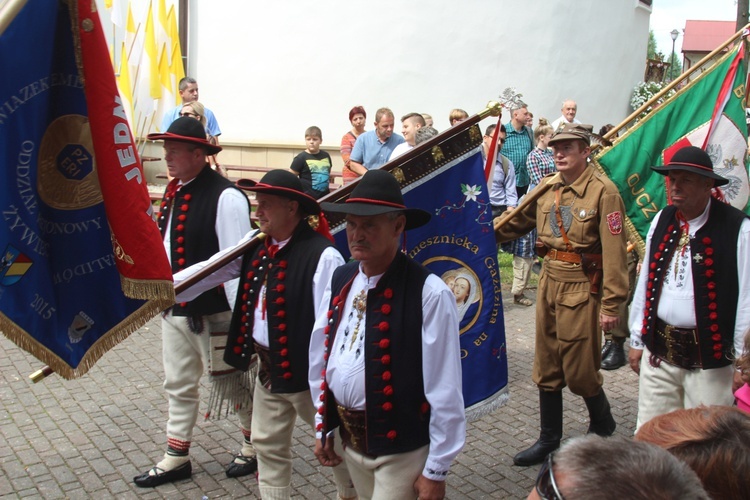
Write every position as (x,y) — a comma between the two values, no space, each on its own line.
(554,254)
(353,428)
(264,369)
(677,346)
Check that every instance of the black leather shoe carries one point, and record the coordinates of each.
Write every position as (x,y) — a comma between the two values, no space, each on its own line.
(600,413)
(615,357)
(146,480)
(606,348)
(536,453)
(248,466)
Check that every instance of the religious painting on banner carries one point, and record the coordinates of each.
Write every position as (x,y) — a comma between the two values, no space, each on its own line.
(708,112)
(458,245)
(82,264)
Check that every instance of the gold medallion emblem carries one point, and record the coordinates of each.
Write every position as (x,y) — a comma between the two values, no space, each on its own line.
(66,175)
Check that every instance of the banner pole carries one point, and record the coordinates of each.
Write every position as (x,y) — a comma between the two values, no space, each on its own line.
(675,83)
(531,197)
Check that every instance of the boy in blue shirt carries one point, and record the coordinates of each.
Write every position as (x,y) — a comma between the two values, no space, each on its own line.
(313,166)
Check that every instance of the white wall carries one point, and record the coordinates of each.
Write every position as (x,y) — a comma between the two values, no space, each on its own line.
(270,69)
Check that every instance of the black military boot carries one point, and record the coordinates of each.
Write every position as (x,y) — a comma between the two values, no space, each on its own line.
(614,357)
(550,413)
(600,414)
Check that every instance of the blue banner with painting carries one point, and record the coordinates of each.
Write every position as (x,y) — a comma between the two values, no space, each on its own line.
(458,245)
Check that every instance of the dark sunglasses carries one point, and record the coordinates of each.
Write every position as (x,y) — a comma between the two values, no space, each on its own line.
(546,487)
(190,114)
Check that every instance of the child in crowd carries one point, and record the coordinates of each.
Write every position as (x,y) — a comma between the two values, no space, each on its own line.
(313,166)
(742,395)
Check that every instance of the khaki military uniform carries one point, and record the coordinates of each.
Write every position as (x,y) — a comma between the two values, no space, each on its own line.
(568,335)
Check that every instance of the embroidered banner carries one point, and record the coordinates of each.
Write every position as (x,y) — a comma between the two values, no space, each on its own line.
(458,245)
(708,112)
(82,264)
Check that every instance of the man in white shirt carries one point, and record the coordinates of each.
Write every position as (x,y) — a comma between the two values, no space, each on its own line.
(201,213)
(503,194)
(409,125)
(691,306)
(569,110)
(282,283)
(391,381)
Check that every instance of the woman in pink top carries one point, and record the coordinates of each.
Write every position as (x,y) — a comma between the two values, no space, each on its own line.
(357,116)
(742,395)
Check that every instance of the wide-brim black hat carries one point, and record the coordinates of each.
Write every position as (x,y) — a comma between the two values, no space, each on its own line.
(692,159)
(378,192)
(186,129)
(282,183)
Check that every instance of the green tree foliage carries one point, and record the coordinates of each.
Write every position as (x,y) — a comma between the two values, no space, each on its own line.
(651,51)
(675,69)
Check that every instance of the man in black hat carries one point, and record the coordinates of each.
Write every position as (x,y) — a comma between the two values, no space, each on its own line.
(393,374)
(579,222)
(692,302)
(200,214)
(282,282)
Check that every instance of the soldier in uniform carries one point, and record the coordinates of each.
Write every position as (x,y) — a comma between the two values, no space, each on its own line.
(613,351)
(584,280)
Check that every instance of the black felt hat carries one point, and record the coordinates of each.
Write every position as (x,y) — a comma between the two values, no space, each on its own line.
(378,192)
(692,159)
(282,183)
(186,129)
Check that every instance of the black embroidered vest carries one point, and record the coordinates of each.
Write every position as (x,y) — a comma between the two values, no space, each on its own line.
(398,415)
(715,283)
(193,236)
(289,308)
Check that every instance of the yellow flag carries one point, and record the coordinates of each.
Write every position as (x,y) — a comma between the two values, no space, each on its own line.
(152,55)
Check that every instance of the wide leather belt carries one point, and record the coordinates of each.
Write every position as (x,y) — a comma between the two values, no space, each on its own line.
(264,370)
(554,254)
(353,429)
(677,346)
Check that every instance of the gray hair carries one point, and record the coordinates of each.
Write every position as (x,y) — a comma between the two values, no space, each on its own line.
(594,468)
(424,134)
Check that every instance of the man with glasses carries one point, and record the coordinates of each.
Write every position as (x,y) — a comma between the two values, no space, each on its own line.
(503,182)
(579,220)
(593,468)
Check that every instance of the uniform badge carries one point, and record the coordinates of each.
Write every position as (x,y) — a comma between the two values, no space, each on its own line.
(614,221)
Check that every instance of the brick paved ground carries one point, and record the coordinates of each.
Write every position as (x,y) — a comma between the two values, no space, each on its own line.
(87,438)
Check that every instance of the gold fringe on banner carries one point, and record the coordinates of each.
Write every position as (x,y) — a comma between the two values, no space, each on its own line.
(148,289)
(117,334)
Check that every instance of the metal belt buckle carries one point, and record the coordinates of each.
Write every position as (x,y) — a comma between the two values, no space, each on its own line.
(552,253)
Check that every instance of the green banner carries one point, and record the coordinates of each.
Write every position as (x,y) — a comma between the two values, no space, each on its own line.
(685,119)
